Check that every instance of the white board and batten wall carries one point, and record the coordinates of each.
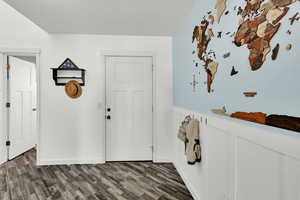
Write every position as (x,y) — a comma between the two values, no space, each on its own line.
(241,160)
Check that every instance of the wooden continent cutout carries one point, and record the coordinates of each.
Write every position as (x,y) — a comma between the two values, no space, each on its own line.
(220,7)
(275,52)
(259,23)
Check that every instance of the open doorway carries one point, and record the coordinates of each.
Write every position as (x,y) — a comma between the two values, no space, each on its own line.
(21,102)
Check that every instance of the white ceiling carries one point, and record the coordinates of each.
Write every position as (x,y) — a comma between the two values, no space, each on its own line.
(120,17)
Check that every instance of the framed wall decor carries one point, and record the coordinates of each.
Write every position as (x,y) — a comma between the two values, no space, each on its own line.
(68,71)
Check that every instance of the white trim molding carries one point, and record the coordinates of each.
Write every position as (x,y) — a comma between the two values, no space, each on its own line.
(187,183)
(160,159)
(20,51)
(105,53)
(68,161)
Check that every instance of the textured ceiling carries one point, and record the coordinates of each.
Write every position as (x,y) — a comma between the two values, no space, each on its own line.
(117,17)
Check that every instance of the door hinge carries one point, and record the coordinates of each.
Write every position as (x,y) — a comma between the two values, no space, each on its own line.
(7,143)
(7,105)
(7,66)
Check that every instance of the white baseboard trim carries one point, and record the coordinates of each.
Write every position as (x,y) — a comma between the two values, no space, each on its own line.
(162,160)
(69,161)
(190,187)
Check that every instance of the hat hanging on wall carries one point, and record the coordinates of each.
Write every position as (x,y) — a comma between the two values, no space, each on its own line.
(73,89)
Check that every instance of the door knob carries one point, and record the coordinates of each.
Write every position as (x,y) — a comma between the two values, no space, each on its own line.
(108,117)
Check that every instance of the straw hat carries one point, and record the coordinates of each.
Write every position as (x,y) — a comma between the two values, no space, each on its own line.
(73,89)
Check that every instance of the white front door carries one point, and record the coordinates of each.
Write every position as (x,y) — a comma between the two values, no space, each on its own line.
(129,107)
(22,87)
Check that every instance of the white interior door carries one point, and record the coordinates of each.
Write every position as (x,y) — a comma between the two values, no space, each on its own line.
(129,106)
(22,115)
(3,154)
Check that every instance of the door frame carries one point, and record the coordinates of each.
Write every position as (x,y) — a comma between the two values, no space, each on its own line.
(104,55)
(20,52)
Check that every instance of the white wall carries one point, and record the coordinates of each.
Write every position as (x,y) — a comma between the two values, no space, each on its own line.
(72,130)
(16,32)
(241,160)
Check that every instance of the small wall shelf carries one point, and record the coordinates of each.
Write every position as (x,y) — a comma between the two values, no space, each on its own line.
(68,71)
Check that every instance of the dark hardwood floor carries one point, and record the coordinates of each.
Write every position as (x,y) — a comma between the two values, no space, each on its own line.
(20,179)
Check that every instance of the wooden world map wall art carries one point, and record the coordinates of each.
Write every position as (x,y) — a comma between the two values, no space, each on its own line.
(259,22)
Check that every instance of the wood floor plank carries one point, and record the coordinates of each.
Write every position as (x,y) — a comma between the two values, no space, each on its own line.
(21,179)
